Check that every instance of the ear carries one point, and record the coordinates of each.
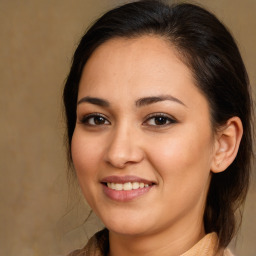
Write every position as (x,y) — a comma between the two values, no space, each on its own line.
(227,143)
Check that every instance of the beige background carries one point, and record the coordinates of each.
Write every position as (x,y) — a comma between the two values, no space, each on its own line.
(37,214)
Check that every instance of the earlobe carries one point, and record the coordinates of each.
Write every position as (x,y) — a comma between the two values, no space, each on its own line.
(227,143)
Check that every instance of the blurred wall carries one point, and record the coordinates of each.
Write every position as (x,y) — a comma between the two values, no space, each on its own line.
(38,216)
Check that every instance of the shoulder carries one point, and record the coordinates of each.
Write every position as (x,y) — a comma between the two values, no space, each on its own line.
(97,245)
(227,252)
(79,252)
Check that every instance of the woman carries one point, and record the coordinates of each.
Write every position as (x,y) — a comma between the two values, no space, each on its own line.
(159,130)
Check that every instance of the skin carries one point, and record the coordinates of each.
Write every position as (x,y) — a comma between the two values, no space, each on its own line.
(177,156)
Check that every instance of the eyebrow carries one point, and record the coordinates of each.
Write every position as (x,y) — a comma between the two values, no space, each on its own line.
(95,101)
(154,99)
(139,103)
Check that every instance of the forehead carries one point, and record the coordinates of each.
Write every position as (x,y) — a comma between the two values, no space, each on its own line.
(147,64)
(149,53)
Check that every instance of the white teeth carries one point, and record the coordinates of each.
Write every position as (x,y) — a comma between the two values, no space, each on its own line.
(135,185)
(118,186)
(127,186)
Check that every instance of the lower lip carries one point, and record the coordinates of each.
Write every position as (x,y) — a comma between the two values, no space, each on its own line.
(125,195)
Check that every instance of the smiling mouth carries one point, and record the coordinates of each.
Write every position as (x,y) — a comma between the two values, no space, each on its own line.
(127,186)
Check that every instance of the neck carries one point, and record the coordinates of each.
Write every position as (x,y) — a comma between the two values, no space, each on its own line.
(172,242)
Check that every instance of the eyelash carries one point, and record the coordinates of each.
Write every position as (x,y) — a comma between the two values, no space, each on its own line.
(166,118)
(86,119)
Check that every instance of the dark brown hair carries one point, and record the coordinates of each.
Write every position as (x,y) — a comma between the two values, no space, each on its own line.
(209,50)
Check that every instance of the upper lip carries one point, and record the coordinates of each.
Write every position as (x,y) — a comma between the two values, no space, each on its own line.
(125,179)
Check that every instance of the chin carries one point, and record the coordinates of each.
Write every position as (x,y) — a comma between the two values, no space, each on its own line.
(126,226)
(127,230)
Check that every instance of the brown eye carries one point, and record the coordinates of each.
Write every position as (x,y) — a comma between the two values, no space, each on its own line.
(159,120)
(95,120)
(98,120)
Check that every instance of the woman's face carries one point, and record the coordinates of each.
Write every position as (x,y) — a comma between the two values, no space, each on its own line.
(143,144)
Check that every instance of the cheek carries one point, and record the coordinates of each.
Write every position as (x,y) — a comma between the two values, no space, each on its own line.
(182,155)
(85,156)
(183,169)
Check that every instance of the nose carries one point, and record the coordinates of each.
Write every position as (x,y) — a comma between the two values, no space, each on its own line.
(124,148)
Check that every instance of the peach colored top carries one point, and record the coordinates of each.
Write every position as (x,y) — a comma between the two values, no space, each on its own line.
(98,246)
(207,246)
